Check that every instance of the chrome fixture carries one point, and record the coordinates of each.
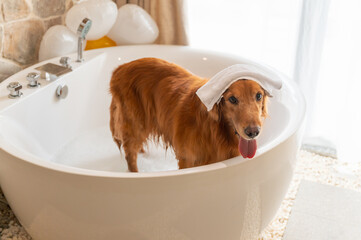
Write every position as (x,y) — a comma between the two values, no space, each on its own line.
(62,91)
(33,80)
(51,71)
(82,31)
(65,62)
(14,88)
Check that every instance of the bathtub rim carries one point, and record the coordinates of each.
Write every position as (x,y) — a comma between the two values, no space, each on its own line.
(291,128)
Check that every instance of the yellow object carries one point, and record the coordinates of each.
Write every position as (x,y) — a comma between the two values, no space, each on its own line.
(100,43)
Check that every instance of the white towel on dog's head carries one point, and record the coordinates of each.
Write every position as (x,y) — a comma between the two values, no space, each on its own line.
(211,92)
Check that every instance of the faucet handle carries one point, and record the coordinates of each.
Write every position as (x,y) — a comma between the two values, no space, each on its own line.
(62,91)
(65,62)
(33,78)
(14,88)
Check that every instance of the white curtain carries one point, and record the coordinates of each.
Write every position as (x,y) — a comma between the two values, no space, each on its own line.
(316,42)
(337,114)
(311,34)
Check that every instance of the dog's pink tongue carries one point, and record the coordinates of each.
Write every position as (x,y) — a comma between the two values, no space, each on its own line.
(247,148)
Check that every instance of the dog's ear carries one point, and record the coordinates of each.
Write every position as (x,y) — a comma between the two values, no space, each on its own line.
(216,112)
(266,95)
(264,105)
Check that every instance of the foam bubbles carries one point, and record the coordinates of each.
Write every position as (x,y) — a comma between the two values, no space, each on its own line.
(96,150)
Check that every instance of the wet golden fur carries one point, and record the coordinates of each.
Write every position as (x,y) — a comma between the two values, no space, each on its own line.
(152,98)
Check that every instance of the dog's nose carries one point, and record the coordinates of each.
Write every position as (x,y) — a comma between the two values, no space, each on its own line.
(252,132)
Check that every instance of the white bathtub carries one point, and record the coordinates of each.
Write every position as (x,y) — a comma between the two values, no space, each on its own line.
(64,178)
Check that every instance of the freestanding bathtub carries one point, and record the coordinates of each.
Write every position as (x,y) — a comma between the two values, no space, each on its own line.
(65,179)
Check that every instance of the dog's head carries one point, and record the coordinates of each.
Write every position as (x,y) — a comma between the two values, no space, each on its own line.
(244,107)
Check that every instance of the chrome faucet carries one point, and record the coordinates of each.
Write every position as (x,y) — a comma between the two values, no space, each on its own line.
(82,31)
(33,80)
(65,62)
(14,88)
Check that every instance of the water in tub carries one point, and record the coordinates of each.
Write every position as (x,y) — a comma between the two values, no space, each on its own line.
(96,150)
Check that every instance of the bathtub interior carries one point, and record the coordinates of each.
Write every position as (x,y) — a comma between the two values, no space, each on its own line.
(74,131)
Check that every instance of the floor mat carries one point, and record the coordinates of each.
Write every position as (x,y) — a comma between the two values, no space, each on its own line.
(315,168)
(323,212)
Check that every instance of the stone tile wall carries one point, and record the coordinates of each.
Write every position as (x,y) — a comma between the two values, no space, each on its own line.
(22,25)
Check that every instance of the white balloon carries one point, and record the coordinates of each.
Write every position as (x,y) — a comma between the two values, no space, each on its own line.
(57,41)
(133,26)
(103,14)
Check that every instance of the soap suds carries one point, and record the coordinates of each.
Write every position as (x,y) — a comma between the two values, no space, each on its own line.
(96,150)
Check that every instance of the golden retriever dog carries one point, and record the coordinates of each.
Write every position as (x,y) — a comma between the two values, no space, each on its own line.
(152,98)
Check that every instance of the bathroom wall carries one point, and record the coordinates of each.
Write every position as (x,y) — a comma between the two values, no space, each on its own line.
(24,22)
(22,25)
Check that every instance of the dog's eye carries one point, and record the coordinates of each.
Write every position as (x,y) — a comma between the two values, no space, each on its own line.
(233,100)
(258,96)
